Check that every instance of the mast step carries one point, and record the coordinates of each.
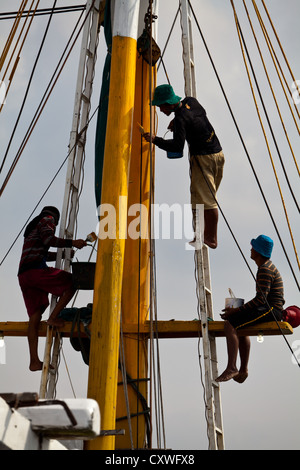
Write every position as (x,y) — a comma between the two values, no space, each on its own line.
(90,54)
(215,384)
(85,98)
(113,432)
(74,187)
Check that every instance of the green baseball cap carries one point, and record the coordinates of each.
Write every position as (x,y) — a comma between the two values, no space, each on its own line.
(164,94)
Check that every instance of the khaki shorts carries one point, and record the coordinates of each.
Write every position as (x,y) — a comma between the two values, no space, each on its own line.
(204,189)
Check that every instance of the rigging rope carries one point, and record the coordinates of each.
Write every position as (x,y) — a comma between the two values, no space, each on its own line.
(28,87)
(19,52)
(243,256)
(242,43)
(276,103)
(44,99)
(147,418)
(47,188)
(124,380)
(12,33)
(10,15)
(281,48)
(165,47)
(153,287)
(219,207)
(244,146)
(227,223)
(274,57)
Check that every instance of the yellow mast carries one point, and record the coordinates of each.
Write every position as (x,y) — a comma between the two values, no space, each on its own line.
(104,352)
(136,276)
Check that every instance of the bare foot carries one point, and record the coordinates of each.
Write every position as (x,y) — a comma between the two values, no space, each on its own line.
(241,377)
(197,245)
(228,374)
(35,365)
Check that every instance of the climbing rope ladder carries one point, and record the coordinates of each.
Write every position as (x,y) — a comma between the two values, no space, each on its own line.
(212,392)
(74,172)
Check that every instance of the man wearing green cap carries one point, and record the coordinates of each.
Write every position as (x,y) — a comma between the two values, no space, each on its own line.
(266,306)
(206,157)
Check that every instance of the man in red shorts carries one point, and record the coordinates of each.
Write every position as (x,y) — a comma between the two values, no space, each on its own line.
(37,280)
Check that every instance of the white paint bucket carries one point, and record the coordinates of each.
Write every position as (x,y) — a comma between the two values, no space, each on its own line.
(233,302)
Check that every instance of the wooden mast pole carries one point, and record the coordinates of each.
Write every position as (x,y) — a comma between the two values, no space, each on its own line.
(136,278)
(132,398)
(104,352)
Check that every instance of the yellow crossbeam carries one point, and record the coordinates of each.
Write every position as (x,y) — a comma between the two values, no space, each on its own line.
(164,329)
(191,329)
(11,328)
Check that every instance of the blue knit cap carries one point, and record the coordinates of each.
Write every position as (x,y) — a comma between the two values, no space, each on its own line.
(263,245)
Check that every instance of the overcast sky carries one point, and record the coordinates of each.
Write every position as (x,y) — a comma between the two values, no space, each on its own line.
(264,412)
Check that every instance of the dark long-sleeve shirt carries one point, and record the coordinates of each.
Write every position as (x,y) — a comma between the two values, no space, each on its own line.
(36,245)
(192,125)
(269,286)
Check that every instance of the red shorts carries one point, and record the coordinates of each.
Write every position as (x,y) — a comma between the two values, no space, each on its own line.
(36,284)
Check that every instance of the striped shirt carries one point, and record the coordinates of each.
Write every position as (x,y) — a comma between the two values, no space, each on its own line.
(37,244)
(269,288)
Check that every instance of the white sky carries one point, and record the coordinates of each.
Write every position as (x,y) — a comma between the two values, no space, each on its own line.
(264,412)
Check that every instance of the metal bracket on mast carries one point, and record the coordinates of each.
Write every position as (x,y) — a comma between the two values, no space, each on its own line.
(75,161)
(212,388)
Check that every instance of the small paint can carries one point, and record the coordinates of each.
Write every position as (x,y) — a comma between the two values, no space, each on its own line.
(233,302)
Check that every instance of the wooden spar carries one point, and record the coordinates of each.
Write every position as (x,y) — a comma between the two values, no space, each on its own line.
(104,352)
(165,329)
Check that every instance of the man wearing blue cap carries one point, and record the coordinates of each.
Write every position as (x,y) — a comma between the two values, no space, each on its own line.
(264,307)
(206,157)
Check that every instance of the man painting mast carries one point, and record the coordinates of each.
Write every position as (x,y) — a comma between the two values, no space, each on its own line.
(206,157)
(37,280)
